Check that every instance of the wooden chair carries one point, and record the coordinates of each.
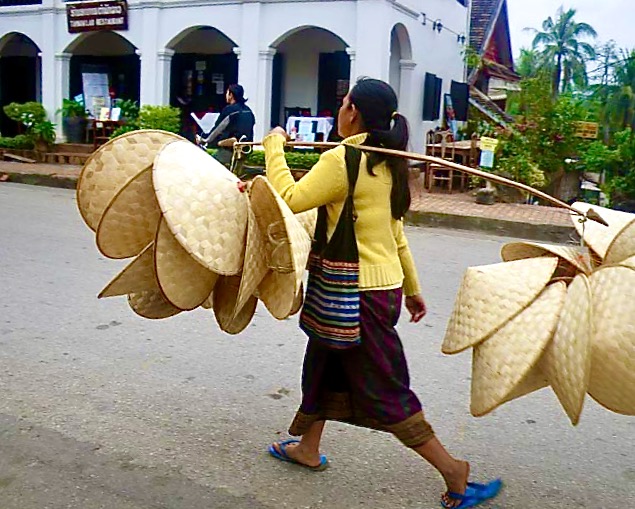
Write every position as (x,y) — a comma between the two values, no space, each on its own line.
(430,141)
(438,173)
(462,179)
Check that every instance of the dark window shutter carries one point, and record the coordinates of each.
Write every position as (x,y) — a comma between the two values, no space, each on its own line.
(460,93)
(431,97)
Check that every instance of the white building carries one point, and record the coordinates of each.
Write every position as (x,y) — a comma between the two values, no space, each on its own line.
(286,53)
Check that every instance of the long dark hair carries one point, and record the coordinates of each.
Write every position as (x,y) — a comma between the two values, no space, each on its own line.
(238,92)
(376,102)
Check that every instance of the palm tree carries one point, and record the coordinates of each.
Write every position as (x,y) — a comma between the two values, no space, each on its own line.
(560,45)
(529,63)
(622,99)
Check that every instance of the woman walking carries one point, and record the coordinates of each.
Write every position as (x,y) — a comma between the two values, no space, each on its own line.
(354,369)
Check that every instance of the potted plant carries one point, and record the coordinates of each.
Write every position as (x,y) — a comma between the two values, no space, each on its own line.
(39,130)
(73,120)
(43,134)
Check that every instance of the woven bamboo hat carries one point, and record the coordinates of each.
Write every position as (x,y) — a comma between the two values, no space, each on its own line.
(299,301)
(523,250)
(288,244)
(129,222)
(308,220)
(112,166)
(202,205)
(152,304)
(137,276)
(256,263)
(503,364)
(623,245)
(612,381)
(185,283)
(567,359)
(224,303)
(599,237)
(491,295)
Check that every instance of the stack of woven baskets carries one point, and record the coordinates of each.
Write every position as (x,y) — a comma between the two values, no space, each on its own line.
(547,316)
(196,236)
(553,316)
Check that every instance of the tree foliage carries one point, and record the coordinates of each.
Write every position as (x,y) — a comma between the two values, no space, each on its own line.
(536,150)
(563,51)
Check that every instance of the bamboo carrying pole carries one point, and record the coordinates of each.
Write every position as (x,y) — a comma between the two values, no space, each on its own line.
(591,214)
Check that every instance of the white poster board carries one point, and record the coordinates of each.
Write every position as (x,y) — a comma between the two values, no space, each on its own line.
(96,92)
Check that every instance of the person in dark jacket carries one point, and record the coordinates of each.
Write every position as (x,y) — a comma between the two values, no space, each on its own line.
(235,121)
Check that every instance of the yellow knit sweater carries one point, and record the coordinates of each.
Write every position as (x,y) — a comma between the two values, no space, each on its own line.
(385,260)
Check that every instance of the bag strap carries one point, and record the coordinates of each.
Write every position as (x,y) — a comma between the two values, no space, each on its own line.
(353,160)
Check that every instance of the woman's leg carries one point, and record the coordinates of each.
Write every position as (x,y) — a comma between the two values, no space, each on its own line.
(307,451)
(455,472)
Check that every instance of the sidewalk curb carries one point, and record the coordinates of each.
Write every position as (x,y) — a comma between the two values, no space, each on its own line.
(531,231)
(36,179)
(540,232)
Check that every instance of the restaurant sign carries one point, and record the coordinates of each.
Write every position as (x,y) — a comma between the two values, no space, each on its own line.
(587,130)
(93,16)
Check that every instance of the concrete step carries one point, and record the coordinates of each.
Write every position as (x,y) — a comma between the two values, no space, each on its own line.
(66,157)
(75,148)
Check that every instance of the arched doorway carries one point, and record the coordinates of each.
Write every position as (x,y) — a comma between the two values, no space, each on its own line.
(20,76)
(203,66)
(311,73)
(110,56)
(400,56)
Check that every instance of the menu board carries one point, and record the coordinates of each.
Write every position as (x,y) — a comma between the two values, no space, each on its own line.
(96,92)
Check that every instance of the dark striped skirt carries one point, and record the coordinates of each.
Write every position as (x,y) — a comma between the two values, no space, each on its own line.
(367,385)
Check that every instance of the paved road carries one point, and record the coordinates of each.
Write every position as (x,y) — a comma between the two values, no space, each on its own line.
(101,409)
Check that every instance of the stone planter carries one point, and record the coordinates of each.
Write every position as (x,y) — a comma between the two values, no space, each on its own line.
(41,149)
(74,129)
(486,196)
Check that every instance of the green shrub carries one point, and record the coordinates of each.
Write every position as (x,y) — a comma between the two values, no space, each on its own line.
(126,128)
(129,110)
(516,159)
(618,162)
(33,116)
(295,160)
(19,142)
(44,131)
(166,118)
(26,113)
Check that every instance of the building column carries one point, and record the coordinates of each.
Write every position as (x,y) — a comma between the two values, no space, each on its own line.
(263,96)
(48,70)
(38,77)
(147,79)
(164,76)
(249,61)
(236,51)
(147,51)
(353,75)
(406,70)
(59,82)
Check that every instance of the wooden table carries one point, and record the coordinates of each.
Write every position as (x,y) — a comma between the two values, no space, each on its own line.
(464,153)
(462,150)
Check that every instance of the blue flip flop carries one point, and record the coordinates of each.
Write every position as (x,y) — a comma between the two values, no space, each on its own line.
(283,456)
(475,494)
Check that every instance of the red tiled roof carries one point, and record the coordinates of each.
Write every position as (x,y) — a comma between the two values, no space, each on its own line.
(489,108)
(500,71)
(483,17)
